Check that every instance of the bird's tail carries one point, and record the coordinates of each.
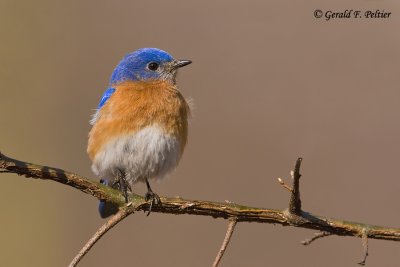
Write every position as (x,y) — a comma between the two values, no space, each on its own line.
(106,209)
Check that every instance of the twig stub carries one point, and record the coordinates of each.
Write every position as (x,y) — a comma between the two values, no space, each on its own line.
(284,185)
(295,202)
(315,237)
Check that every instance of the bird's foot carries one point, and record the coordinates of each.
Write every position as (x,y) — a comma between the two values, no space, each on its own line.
(122,184)
(153,198)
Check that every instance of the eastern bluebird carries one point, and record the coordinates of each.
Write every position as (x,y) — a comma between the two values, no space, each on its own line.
(140,127)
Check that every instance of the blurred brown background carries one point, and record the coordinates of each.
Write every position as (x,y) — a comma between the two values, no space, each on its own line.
(270,83)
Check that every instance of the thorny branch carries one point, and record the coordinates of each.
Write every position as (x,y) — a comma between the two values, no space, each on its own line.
(293,216)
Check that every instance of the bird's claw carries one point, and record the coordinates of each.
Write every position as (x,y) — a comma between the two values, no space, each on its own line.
(153,198)
(122,184)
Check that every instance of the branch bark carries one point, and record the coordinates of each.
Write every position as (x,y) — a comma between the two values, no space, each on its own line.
(293,216)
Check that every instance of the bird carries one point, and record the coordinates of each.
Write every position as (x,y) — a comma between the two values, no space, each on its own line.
(140,127)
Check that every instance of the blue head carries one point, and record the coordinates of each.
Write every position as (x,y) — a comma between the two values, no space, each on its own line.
(147,64)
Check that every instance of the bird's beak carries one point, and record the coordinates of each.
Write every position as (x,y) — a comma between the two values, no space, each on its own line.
(180,63)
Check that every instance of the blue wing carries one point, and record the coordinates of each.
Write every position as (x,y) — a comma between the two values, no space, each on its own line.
(107,94)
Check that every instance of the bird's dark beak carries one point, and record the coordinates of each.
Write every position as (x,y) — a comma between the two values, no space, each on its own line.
(181,63)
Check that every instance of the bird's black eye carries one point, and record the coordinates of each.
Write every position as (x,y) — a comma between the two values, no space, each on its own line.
(153,66)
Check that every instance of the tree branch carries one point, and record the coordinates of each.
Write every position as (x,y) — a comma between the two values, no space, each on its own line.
(227,239)
(364,240)
(293,216)
(114,220)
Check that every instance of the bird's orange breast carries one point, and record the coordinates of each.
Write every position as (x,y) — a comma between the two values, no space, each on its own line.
(135,105)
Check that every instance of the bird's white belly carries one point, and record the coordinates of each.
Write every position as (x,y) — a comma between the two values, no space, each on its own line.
(148,153)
